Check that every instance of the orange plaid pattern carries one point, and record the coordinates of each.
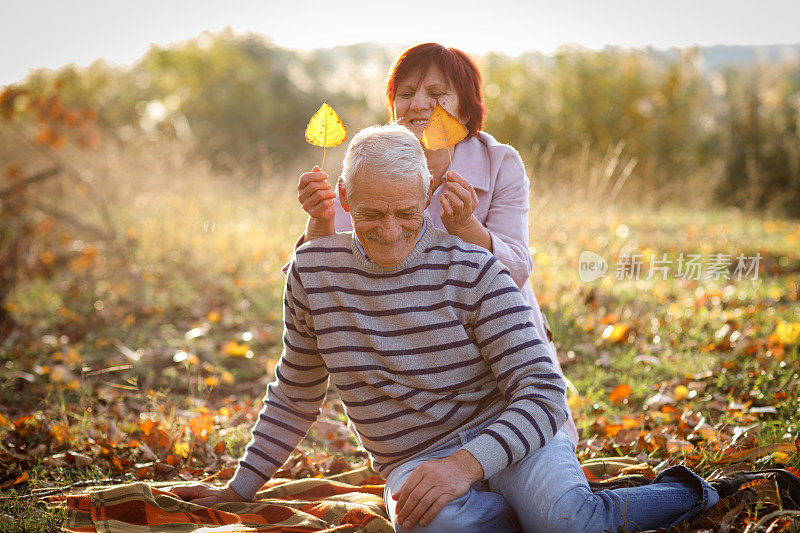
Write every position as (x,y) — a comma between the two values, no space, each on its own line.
(351,502)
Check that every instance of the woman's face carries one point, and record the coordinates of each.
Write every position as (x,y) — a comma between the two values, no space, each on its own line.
(416,99)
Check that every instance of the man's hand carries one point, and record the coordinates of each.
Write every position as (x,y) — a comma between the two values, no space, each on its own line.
(316,196)
(434,484)
(206,495)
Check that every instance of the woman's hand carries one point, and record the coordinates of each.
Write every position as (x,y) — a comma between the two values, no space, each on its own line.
(206,495)
(459,202)
(316,196)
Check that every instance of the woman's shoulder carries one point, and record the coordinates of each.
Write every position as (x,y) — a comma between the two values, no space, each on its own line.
(493,150)
(500,159)
(486,159)
(493,144)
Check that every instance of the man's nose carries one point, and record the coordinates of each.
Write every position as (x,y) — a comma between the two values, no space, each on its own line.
(391,230)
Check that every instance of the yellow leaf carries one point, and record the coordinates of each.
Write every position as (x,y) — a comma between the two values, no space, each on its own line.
(630,423)
(235,349)
(182,449)
(616,332)
(576,402)
(787,332)
(780,458)
(325,128)
(681,392)
(443,130)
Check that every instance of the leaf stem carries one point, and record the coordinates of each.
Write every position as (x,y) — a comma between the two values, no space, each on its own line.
(447,143)
(324,143)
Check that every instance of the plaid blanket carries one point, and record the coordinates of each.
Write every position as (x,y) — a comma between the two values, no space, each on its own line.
(349,502)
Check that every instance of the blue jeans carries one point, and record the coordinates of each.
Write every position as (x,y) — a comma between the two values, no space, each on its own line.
(547,491)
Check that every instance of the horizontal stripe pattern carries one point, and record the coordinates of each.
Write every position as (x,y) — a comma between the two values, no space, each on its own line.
(442,342)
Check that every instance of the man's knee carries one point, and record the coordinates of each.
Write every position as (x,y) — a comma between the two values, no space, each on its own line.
(575,510)
(476,511)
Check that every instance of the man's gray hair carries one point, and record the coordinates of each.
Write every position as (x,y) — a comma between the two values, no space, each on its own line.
(390,151)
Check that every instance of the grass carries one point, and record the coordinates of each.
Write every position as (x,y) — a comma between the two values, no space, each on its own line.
(188,323)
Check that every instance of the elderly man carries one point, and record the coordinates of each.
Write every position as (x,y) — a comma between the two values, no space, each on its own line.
(427,341)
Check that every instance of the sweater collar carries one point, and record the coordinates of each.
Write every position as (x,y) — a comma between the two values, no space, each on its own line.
(363,251)
(425,239)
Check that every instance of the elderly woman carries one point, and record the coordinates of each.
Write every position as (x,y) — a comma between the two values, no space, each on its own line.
(483,199)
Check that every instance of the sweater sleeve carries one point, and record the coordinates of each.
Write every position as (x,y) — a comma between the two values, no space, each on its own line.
(293,400)
(533,391)
(507,218)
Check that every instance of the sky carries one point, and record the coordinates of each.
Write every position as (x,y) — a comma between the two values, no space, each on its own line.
(53,33)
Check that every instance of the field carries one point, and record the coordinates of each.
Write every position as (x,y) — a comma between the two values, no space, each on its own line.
(146,360)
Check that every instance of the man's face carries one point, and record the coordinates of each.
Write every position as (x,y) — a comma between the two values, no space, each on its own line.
(387,217)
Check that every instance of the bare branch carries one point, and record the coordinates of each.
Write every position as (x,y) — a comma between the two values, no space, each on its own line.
(41,176)
(73,174)
(57,213)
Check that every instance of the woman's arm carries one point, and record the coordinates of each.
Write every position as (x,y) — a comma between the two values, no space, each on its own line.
(507,218)
(504,231)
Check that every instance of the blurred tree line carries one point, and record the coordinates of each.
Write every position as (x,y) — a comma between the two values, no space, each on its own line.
(243,103)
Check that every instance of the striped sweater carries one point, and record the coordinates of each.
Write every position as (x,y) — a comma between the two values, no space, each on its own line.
(417,352)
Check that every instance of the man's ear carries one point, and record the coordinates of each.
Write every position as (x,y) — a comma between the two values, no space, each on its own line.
(342,195)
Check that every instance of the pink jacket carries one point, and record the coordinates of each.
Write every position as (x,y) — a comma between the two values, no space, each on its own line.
(497,174)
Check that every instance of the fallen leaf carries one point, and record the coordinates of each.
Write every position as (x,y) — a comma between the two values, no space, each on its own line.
(679,446)
(235,349)
(755,453)
(443,130)
(787,332)
(780,458)
(147,426)
(16,481)
(619,393)
(182,449)
(201,426)
(681,392)
(616,332)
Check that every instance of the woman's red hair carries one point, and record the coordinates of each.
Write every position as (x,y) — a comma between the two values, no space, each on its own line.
(458,69)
